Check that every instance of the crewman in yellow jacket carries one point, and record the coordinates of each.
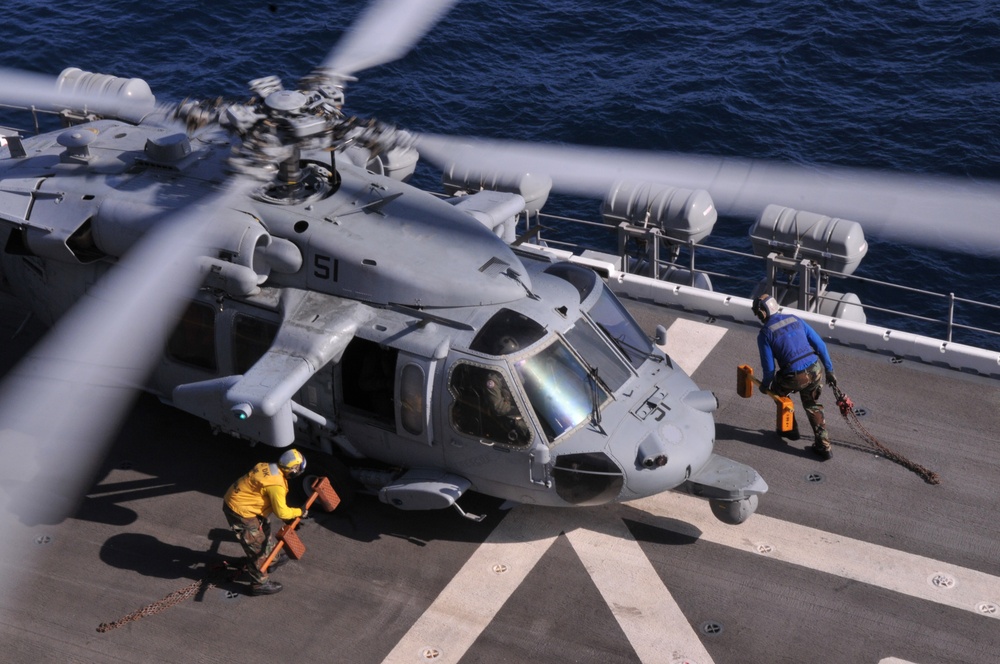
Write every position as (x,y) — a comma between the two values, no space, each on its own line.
(247,505)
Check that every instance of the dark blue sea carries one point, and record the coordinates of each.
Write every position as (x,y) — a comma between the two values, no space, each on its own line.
(903,85)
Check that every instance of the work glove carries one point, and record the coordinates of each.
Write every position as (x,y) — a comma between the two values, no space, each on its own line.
(831,380)
(305,514)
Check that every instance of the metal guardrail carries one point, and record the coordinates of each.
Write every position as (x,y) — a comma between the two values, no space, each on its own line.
(950,298)
(948,320)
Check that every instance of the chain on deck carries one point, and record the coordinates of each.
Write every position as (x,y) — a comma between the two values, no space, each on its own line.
(847,410)
(222,573)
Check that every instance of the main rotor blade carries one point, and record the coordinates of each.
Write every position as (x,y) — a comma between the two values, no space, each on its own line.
(385,32)
(23,89)
(61,404)
(944,212)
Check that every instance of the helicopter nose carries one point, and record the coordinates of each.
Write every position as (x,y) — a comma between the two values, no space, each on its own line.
(653,450)
(665,456)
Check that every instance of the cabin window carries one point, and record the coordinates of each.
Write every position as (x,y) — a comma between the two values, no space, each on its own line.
(368,374)
(484,406)
(193,340)
(252,337)
(411,396)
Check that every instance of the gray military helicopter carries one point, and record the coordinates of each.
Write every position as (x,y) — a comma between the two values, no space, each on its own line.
(265,266)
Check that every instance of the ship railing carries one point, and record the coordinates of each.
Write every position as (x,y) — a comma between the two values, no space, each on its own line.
(950,299)
(956,308)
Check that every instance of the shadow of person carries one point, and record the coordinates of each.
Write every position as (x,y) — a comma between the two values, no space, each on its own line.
(767,439)
(149,556)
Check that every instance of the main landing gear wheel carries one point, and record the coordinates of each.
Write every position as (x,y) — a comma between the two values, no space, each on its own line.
(323,465)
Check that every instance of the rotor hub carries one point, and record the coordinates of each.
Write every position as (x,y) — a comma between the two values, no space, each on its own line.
(285,101)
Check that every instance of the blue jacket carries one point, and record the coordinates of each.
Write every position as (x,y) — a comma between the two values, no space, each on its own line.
(789,341)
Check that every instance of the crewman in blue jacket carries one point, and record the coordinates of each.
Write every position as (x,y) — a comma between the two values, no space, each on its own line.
(801,359)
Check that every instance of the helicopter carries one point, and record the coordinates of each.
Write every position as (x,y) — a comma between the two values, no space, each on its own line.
(264,265)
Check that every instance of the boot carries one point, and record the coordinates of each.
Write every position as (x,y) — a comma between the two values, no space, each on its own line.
(822,445)
(267,588)
(824,452)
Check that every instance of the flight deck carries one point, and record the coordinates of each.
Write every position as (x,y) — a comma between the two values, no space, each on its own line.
(856,559)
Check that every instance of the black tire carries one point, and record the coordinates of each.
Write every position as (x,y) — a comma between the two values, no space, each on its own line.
(323,465)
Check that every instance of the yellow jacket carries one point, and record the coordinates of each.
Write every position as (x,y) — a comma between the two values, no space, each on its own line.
(260,492)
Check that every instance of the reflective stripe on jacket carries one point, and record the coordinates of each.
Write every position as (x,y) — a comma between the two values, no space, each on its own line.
(790,342)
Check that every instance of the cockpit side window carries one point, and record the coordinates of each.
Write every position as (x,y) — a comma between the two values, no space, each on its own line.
(484,406)
(507,332)
(619,326)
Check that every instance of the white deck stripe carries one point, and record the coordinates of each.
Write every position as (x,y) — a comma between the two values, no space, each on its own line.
(644,608)
(647,613)
(469,602)
(880,566)
(642,605)
(690,342)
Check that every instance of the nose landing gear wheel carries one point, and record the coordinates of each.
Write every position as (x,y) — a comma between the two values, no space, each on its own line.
(734,512)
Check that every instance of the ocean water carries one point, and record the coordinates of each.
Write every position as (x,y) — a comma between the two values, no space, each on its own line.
(906,86)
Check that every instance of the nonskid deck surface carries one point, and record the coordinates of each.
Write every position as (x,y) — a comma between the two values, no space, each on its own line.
(856,559)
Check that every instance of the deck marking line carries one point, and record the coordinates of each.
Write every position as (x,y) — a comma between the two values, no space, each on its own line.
(690,342)
(473,597)
(828,552)
(471,600)
(644,608)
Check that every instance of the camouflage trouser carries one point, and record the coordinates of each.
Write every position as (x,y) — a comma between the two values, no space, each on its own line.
(254,535)
(809,385)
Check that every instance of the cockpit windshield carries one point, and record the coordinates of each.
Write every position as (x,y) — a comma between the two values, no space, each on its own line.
(593,347)
(559,388)
(619,326)
(608,313)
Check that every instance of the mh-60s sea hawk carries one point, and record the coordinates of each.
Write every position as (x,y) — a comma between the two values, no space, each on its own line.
(265,266)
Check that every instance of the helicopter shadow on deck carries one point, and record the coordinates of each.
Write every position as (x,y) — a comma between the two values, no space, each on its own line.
(163,452)
(174,453)
(366,519)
